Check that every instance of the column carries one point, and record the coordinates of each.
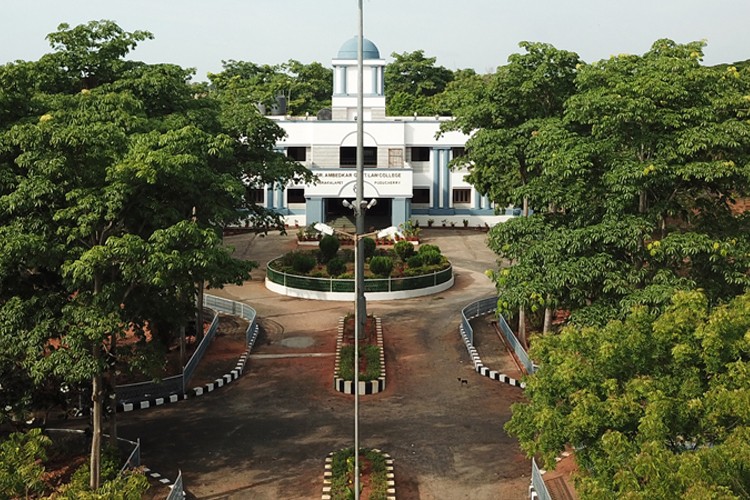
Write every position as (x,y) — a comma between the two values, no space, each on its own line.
(445,172)
(314,209)
(435,178)
(280,195)
(269,197)
(400,211)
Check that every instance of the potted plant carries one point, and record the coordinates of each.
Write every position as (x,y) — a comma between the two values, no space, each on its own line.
(466,222)
(430,222)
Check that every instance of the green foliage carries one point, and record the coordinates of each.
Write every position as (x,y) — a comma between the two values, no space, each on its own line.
(307,88)
(116,179)
(629,176)
(415,261)
(20,463)
(131,485)
(427,248)
(328,245)
(347,255)
(431,258)
(404,249)
(369,246)
(335,267)
(656,406)
(303,263)
(381,266)
(342,469)
(411,82)
(369,357)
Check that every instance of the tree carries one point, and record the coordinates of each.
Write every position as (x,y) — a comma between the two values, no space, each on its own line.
(412,81)
(637,178)
(117,178)
(505,114)
(306,88)
(655,406)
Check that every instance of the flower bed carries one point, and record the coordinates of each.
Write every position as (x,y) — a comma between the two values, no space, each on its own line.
(376,479)
(372,367)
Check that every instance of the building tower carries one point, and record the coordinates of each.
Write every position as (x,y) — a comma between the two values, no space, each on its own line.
(344,100)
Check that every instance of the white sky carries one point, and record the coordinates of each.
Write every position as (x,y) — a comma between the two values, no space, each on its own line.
(477,34)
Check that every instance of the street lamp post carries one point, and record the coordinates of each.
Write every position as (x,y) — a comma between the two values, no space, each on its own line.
(360,313)
(359,280)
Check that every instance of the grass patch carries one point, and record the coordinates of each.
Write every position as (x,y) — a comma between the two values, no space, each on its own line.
(369,356)
(371,464)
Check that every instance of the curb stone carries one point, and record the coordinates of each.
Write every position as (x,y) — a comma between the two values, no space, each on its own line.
(195,391)
(483,370)
(389,475)
(365,386)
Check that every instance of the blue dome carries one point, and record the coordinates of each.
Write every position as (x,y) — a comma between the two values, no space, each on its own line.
(349,50)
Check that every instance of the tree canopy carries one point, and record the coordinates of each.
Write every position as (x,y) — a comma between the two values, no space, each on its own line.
(656,407)
(306,88)
(116,179)
(631,166)
(412,84)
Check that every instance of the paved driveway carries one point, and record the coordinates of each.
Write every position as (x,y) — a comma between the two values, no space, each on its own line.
(266,435)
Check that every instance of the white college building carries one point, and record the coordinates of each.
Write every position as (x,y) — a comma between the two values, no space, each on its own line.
(406,166)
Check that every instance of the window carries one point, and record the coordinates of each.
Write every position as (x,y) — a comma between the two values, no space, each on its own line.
(461,195)
(295,195)
(256,195)
(420,154)
(297,153)
(420,195)
(348,156)
(457,151)
(395,157)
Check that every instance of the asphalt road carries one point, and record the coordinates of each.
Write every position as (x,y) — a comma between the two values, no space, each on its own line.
(266,435)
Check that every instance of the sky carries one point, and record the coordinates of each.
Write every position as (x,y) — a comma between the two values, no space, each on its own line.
(478,34)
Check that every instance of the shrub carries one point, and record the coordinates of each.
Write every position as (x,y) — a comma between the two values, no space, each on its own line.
(303,263)
(429,248)
(382,266)
(404,249)
(347,255)
(342,465)
(415,261)
(20,463)
(371,355)
(335,266)
(369,245)
(431,258)
(328,246)
(131,484)
(384,252)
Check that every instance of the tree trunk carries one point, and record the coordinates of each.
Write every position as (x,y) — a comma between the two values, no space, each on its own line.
(547,319)
(521,311)
(522,327)
(112,391)
(642,203)
(96,435)
(199,312)
(182,346)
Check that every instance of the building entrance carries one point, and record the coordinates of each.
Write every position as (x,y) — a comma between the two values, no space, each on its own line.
(340,217)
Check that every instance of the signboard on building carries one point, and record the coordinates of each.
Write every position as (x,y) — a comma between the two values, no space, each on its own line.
(378,183)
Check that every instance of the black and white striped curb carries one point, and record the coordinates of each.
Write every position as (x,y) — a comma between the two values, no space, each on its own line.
(365,386)
(483,370)
(195,391)
(390,476)
(532,493)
